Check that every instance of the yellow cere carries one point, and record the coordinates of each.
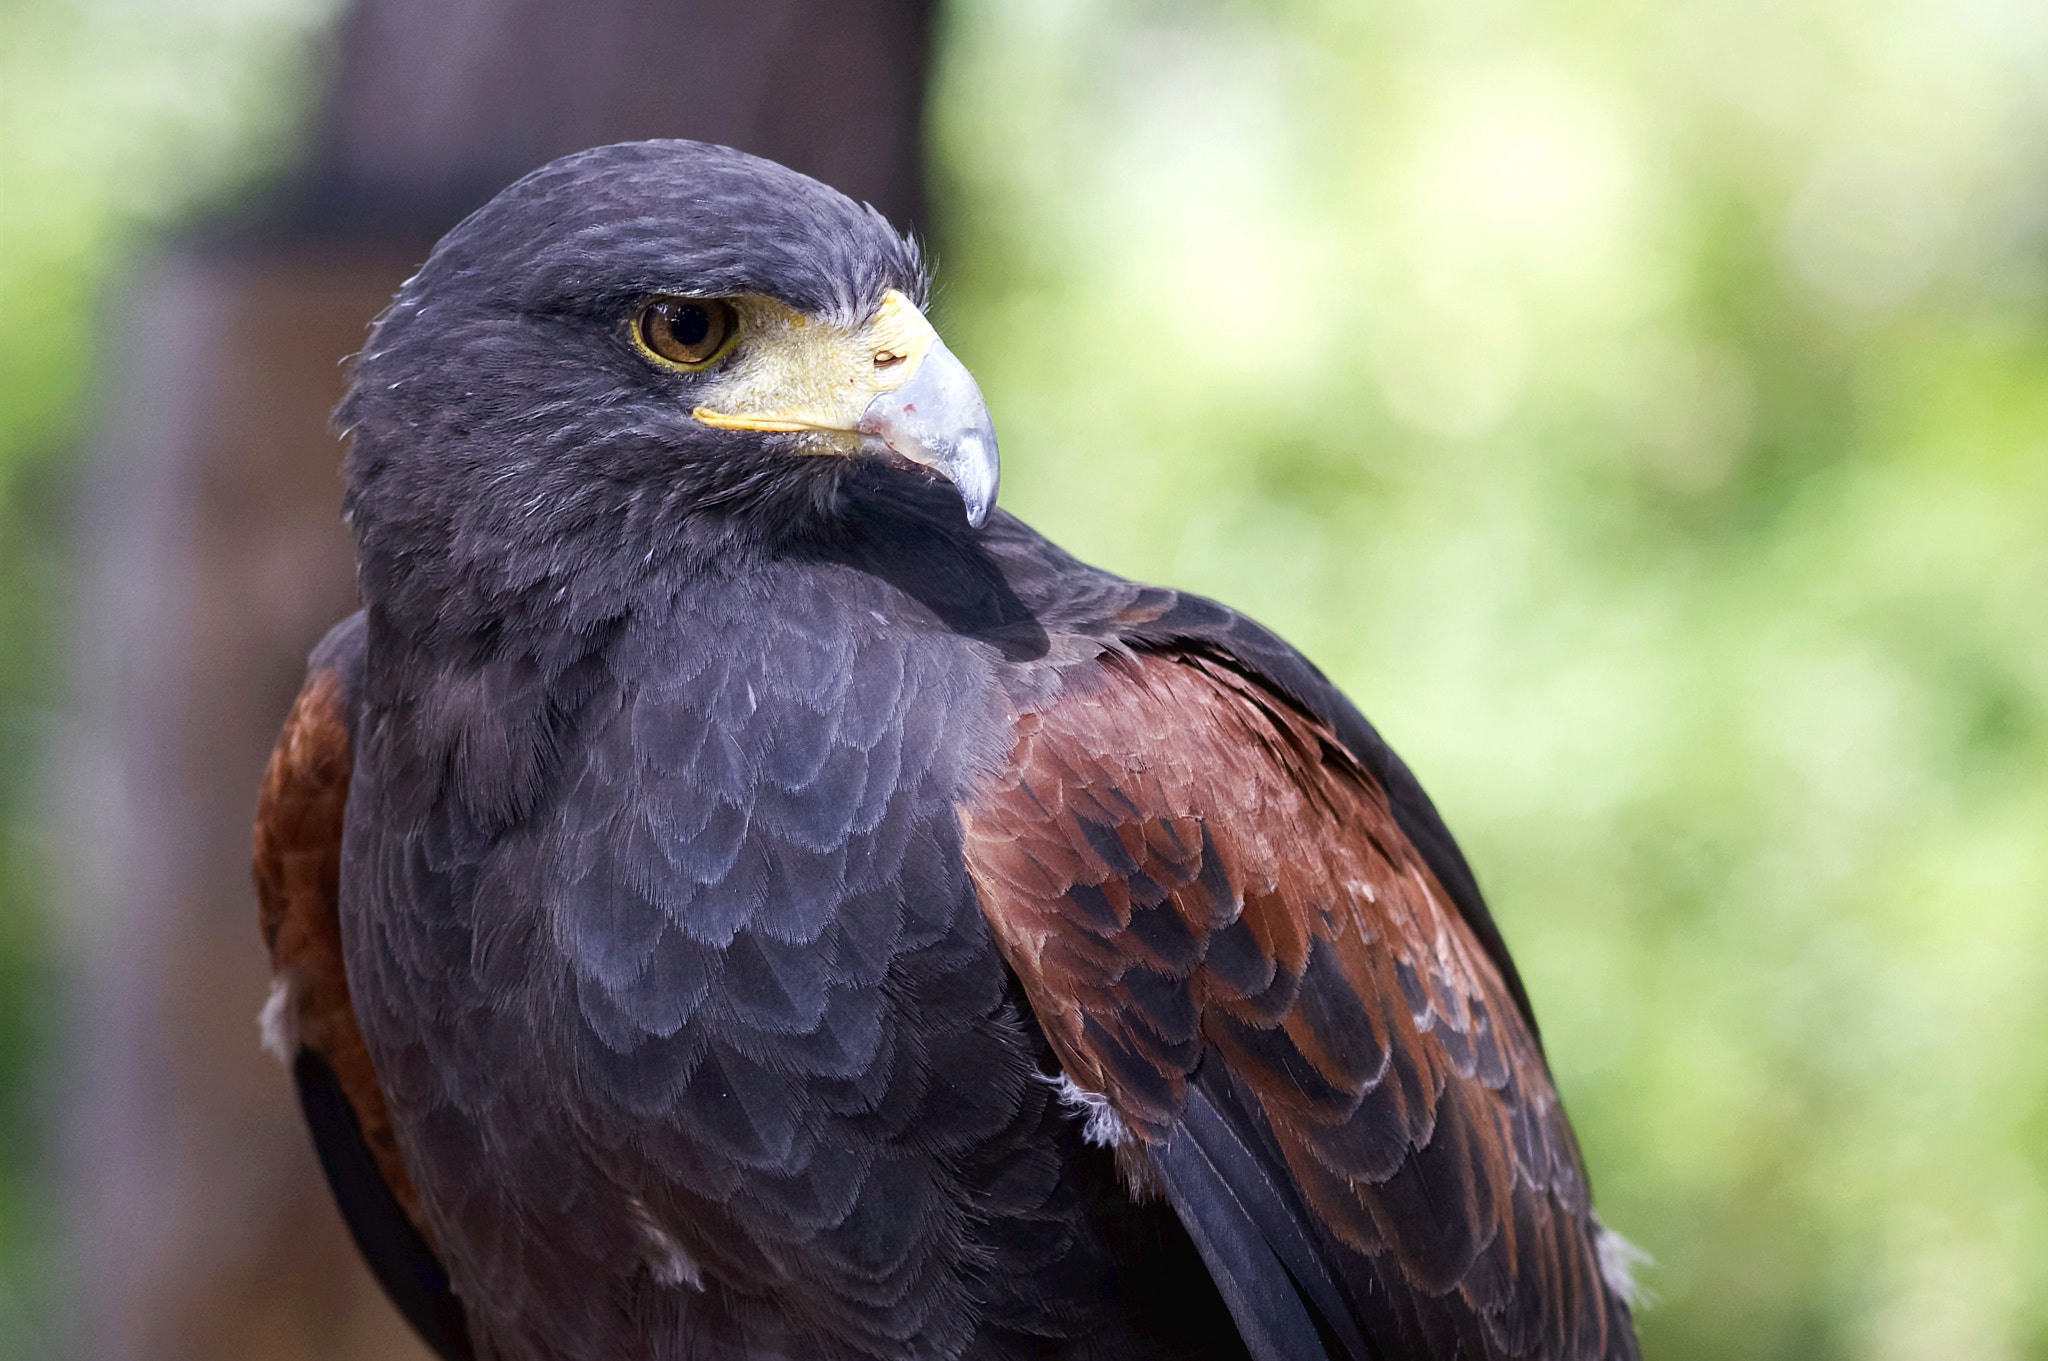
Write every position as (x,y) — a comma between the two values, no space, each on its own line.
(794,372)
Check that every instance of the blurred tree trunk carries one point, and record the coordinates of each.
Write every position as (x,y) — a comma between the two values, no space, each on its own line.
(214,558)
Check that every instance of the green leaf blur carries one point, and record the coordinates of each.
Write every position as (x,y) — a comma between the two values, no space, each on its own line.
(117,121)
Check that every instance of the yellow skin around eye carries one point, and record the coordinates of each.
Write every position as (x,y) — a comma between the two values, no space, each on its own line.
(795,372)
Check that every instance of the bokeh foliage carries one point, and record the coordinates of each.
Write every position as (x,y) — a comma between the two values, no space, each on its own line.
(1642,409)
(119,121)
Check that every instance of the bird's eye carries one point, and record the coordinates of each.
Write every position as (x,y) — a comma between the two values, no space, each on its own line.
(686,331)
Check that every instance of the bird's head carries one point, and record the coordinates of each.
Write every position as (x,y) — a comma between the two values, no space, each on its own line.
(641,343)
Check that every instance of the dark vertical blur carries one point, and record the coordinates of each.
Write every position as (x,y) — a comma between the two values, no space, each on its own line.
(214,558)
(437,107)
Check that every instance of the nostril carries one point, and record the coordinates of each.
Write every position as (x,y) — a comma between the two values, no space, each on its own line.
(887,359)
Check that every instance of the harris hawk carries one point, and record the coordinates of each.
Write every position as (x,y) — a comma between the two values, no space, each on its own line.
(733,893)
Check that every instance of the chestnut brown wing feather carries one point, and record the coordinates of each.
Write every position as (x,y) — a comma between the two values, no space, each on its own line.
(298,876)
(297,869)
(1188,873)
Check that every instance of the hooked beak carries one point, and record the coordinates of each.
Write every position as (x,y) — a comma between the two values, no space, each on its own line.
(938,419)
(889,388)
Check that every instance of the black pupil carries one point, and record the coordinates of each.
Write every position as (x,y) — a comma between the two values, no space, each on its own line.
(690,325)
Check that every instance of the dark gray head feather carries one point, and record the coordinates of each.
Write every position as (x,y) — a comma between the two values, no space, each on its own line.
(511,447)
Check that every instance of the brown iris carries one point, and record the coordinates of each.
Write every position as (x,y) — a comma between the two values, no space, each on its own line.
(686,331)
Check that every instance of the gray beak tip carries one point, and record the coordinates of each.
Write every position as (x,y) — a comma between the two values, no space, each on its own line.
(975,473)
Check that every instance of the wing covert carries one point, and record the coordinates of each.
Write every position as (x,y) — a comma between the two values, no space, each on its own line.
(1224,930)
(309,1022)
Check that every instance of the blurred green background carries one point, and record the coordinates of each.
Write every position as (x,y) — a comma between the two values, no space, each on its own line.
(1641,409)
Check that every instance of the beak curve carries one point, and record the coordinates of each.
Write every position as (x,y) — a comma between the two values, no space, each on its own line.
(937,419)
